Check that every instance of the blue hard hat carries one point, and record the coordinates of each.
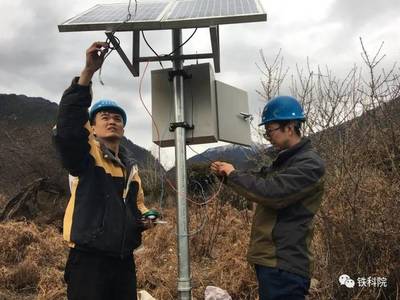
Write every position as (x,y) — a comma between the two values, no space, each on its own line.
(282,108)
(106,104)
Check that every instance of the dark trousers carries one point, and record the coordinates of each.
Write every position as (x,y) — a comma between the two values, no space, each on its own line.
(94,276)
(277,284)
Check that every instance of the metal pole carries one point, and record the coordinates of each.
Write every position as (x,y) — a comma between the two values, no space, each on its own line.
(184,286)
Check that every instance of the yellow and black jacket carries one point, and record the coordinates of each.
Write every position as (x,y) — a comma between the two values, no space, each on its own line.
(288,194)
(107,201)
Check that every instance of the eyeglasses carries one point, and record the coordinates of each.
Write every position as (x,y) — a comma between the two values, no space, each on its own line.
(267,132)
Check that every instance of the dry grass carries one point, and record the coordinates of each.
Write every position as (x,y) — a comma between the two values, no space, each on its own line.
(224,265)
(33,258)
(32,262)
(357,234)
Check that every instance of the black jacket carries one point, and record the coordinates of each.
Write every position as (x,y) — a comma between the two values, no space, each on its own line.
(103,212)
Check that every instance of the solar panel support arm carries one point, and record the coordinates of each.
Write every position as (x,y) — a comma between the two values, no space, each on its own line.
(136,51)
(180,57)
(134,67)
(214,35)
(121,53)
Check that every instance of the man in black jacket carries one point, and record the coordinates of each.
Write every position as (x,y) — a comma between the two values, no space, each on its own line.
(103,220)
(288,194)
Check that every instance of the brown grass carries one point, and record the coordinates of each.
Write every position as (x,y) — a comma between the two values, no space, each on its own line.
(224,266)
(34,257)
(32,262)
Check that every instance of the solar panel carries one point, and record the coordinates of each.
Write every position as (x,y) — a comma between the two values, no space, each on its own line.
(203,13)
(192,9)
(118,13)
(166,15)
(113,17)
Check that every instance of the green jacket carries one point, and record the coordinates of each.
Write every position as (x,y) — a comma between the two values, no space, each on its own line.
(288,194)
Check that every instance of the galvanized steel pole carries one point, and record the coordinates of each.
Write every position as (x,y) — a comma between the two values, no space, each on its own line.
(184,286)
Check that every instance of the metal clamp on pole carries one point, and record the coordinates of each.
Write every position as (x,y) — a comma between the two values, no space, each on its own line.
(173,126)
(181,72)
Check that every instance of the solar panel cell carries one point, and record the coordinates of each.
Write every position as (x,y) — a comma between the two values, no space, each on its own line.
(118,13)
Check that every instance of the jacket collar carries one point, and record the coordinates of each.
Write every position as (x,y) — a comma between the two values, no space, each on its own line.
(284,155)
(125,157)
(126,154)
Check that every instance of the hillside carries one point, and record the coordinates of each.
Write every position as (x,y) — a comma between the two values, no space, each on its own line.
(26,152)
(243,157)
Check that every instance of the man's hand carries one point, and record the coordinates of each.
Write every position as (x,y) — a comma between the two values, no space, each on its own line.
(94,59)
(221,168)
(149,224)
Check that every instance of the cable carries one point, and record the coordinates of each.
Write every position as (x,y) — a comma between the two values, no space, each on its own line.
(158,134)
(151,48)
(181,45)
(167,55)
(202,155)
(202,226)
(128,18)
(107,54)
(201,187)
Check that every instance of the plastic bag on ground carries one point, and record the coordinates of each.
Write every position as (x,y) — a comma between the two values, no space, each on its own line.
(143,295)
(216,293)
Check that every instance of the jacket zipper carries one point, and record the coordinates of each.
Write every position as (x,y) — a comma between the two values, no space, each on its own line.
(124,234)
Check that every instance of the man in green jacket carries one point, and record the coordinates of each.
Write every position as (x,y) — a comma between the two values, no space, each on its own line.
(103,221)
(288,194)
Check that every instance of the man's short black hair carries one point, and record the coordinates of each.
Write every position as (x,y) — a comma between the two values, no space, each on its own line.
(297,125)
(115,111)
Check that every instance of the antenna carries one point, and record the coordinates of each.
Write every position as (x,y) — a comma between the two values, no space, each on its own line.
(175,16)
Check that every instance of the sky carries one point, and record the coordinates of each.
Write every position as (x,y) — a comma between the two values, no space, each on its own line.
(38,61)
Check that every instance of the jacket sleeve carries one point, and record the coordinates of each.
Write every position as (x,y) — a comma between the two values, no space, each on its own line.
(71,133)
(281,189)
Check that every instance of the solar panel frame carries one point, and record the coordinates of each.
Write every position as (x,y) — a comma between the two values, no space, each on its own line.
(162,21)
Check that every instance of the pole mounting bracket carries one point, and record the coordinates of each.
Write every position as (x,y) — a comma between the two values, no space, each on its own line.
(173,126)
(183,73)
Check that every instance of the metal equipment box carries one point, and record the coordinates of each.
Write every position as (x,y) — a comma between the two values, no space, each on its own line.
(212,107)
(233,114)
